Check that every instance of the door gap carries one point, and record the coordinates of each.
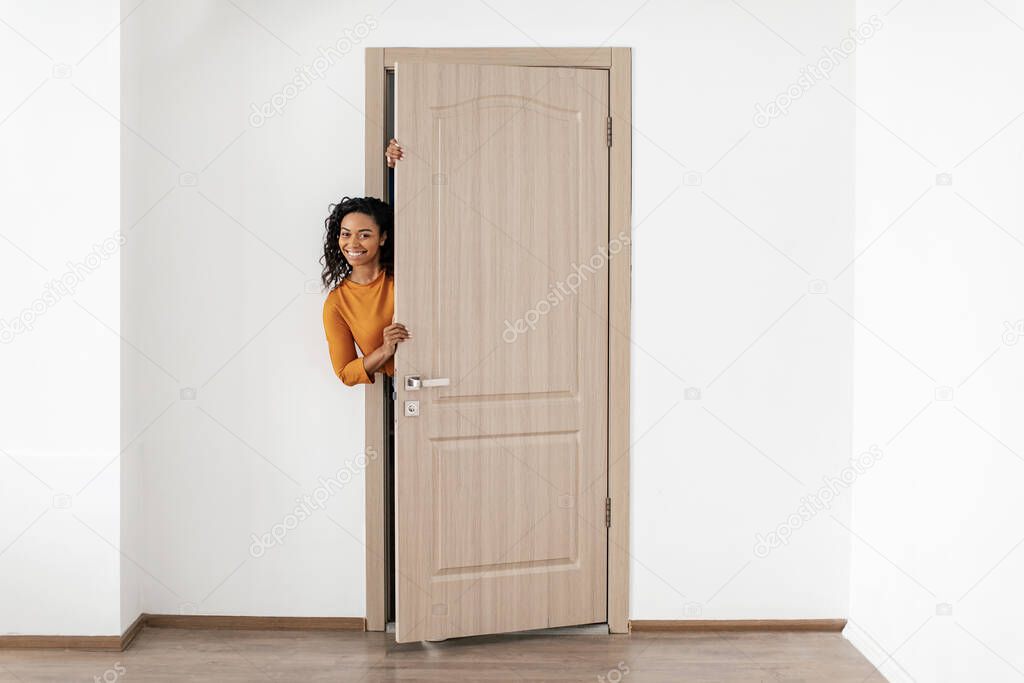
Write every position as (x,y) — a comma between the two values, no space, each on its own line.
(390,605)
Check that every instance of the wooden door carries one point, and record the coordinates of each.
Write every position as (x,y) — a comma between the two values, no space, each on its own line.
(501,224)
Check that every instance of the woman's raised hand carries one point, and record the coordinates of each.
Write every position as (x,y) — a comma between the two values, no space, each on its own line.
(393,334)
(393,152)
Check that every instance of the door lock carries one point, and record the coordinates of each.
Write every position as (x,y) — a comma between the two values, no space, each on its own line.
(412,408)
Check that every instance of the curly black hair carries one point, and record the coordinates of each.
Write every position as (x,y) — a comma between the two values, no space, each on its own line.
(336,267)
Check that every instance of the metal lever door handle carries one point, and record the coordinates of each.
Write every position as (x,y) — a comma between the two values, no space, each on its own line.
(414,383)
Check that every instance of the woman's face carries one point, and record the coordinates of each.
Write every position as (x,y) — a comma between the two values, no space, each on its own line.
(360,239)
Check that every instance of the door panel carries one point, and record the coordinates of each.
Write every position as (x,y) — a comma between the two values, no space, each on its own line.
(501,216)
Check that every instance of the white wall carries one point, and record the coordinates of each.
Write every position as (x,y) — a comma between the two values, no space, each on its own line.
(735,297)
(215,276)
(230,412)
(235,407)
(59,346)
(937,556)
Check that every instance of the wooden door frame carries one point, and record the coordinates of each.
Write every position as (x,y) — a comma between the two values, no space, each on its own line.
(617,61)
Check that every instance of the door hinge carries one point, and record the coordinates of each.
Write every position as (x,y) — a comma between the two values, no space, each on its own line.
(608,512)
(609,131)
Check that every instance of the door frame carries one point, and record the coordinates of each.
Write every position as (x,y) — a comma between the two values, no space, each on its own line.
(617,61)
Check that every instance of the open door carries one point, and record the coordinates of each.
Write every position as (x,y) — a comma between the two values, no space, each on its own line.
(501,239)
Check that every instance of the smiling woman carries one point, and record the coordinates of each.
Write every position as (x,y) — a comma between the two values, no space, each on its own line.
(358,270)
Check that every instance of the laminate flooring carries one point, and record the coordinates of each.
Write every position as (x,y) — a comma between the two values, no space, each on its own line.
(171,654)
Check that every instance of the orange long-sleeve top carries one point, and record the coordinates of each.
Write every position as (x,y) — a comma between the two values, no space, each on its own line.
(356,314)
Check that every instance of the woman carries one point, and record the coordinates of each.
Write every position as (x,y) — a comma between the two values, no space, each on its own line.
(358,270)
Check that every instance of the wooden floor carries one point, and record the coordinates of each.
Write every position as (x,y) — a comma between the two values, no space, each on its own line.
(169,654)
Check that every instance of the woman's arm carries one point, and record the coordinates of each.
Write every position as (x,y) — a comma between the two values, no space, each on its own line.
(393,334)
(375,360)
(348,366)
